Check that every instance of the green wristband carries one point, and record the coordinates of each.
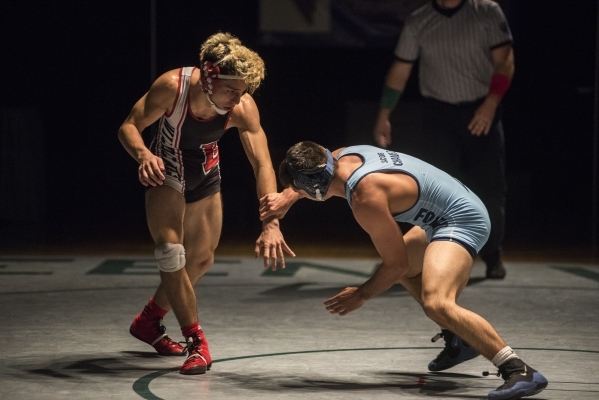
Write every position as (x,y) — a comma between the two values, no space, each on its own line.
(390,97)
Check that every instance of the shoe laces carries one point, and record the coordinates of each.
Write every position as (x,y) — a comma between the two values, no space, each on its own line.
(160,328)
(448,336)
(509,369)
(437,337)
(192,344)
(451,345)
(487,373)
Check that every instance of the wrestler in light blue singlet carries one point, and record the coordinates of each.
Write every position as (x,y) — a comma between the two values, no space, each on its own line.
(446,209)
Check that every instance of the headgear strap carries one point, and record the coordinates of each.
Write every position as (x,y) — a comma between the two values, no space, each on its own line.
(315,181)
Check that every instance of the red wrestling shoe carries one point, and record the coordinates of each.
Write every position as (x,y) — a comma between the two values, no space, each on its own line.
(152,331)
(198,355)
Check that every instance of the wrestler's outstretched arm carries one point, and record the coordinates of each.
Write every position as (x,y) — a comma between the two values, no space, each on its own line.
(247,120)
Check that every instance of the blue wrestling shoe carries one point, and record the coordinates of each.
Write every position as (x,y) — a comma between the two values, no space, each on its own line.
(456,351)
(520,381)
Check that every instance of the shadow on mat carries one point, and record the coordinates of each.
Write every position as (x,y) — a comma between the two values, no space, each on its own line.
(448,385)
(107,366)
(301,290)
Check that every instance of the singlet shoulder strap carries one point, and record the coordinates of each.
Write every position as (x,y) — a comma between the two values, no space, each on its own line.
(344,152)
(180,105)
(355,177)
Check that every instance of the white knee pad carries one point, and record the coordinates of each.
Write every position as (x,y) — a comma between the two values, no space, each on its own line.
(170,256)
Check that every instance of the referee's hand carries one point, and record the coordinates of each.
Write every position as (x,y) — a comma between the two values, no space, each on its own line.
(483,118)
(382,132)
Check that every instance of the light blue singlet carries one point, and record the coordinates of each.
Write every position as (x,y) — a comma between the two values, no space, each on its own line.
(446,209)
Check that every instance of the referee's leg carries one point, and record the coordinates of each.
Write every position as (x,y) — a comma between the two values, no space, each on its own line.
(486,177)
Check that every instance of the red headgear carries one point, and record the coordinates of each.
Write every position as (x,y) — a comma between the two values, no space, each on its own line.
(207,74)
(211,71)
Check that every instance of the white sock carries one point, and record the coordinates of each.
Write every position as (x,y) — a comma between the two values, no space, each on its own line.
(504,354)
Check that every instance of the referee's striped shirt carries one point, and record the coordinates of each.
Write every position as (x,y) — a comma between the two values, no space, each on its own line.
(453,48)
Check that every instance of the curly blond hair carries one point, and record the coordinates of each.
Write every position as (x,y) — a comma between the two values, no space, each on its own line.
(234,59)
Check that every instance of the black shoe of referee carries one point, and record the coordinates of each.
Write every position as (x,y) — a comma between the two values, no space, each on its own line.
(496,270)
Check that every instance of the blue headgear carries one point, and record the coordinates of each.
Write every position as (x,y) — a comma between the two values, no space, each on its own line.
(314,181)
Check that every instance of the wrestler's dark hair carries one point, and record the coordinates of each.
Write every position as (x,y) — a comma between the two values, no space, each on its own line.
(301,156)
(233,58)
(285,176)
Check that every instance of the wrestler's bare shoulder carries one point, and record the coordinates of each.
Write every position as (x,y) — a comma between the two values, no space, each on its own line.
(168,80)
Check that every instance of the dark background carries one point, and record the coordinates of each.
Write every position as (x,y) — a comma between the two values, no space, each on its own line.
(72,70)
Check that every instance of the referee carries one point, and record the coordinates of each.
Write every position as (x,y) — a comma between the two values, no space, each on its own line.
(466,64)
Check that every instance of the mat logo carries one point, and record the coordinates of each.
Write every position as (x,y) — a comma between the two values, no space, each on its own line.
(429,218)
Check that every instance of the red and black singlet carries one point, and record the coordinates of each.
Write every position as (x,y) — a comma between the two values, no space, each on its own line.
(189,146)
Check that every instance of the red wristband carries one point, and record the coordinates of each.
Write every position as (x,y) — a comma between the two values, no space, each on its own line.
(500,84)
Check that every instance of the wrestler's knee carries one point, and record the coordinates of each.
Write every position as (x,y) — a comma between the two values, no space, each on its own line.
(437,309)
(198,265)
(170,256)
